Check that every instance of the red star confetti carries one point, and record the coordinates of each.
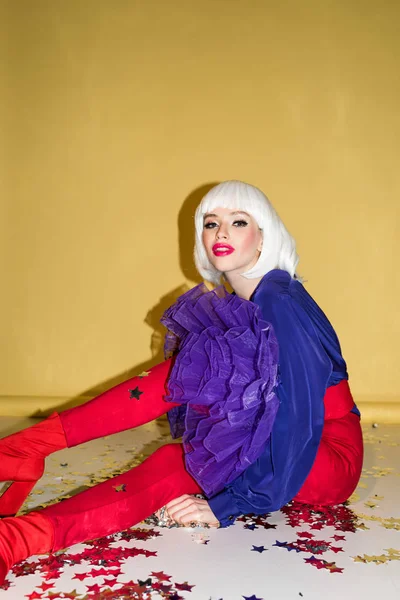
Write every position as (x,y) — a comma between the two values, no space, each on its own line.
(46,586)
(139,534)
(184,586)
(93,588)
(336,549)
(160,575)
(319,563)
(340,517)
(305,534)
(80,576)
(110,581)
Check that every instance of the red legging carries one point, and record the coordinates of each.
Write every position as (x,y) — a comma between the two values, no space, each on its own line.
(337,467)
(122,501)
(127,499)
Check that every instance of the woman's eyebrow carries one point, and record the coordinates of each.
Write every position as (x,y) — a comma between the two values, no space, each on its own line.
(235,212)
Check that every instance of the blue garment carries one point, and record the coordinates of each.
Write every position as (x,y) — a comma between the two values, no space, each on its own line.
(310,360)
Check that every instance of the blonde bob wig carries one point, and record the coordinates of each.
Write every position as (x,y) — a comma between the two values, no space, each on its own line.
(278,249)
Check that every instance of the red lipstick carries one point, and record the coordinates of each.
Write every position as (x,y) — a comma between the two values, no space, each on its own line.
(222,249)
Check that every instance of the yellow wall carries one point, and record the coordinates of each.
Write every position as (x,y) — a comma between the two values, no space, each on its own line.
(116,114)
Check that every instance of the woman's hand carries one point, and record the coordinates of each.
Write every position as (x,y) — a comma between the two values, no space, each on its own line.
(189,509)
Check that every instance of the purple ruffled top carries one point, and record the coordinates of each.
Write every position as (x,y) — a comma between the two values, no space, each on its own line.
(224,378)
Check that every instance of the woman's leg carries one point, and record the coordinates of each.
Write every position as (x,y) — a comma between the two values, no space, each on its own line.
(104,509)
(127,405)
(337,467)
(122,501)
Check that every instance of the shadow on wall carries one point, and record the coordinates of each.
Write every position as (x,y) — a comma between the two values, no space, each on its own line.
(186,244)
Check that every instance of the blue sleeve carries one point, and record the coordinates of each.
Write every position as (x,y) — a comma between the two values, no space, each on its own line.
(278,474)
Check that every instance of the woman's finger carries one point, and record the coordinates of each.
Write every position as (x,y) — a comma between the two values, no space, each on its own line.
(179,509)
(178,500)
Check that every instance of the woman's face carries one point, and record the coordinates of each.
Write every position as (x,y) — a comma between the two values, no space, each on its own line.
(232,240)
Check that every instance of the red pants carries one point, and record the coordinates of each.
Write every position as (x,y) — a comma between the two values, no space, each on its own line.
(127,499)
(337,467)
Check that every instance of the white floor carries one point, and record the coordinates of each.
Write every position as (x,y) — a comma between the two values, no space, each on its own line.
(345,552)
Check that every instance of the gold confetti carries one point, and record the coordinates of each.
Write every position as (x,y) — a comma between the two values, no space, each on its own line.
(378,559)
(362,526)
(388,523)
(119,488)
(393,552)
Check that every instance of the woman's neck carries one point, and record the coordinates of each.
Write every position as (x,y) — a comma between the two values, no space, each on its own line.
(242,286)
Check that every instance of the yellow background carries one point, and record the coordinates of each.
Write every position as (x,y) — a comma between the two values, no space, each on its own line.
(116,116)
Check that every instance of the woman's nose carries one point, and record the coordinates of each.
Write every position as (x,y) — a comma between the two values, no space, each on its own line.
(222,233)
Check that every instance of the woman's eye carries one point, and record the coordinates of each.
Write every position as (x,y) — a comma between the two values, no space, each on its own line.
(210,225)
(240,223)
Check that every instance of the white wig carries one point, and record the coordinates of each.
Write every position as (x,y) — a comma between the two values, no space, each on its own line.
(278,249)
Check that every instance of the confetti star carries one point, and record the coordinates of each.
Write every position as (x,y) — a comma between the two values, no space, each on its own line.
(305,534)
(251,526)
(358,558)
(335,569)
(259,549)
(110,581)
(160,575)
(253,597)
(162,587)
(144,374)
(46,586)
(135,393)
(97,572)
(184,587)
(338,538)
(316,562)
(120,488)
(280,544)
(34,596)
(94,588)
(80,576)
(336,549)
(289,546)
(323,564)
(392,551)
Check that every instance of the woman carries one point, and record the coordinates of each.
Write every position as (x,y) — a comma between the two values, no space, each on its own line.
(258,388)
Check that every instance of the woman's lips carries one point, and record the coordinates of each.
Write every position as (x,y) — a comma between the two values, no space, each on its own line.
(222,249)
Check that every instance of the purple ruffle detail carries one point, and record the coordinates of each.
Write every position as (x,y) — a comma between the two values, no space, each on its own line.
(224,377)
